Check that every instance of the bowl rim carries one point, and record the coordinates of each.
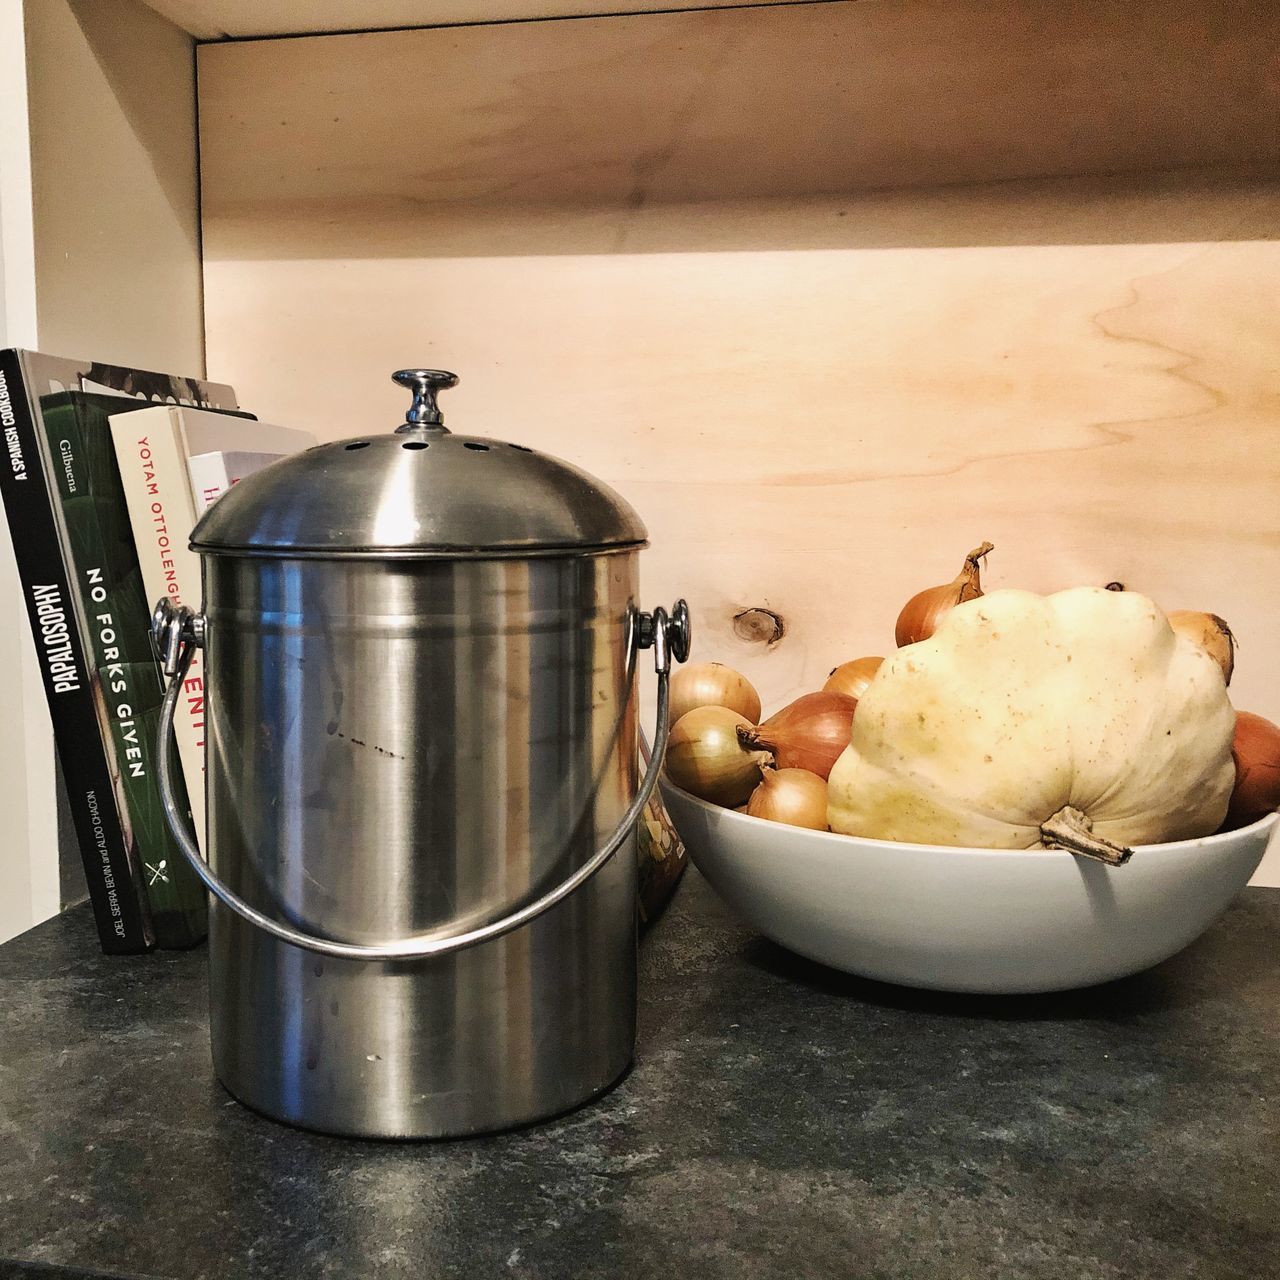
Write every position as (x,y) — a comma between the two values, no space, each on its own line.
(1171,846)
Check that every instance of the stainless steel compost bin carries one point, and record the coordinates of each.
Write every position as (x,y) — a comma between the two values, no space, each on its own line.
(421,729)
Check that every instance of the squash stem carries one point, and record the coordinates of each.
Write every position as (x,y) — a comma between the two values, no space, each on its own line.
(1071,830)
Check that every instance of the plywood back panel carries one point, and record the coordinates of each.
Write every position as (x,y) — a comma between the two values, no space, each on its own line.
(729,103)
(822,431)
(818,403)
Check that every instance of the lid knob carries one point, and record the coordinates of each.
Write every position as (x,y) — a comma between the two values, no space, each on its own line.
(425,385)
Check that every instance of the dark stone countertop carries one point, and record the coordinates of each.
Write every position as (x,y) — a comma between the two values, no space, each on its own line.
(781,1120)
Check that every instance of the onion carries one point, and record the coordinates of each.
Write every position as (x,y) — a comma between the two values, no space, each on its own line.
(810,733)
(1256,751)
(712,684)
(853,677)
(706,758)
(921,614)
(1210,633)
(794,796)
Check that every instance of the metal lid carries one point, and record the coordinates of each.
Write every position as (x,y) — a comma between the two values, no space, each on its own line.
(419,492)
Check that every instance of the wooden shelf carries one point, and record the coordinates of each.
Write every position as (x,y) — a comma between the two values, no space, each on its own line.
(832,289)
(239,19)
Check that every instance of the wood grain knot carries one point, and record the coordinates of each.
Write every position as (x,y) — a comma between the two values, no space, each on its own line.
(759,626)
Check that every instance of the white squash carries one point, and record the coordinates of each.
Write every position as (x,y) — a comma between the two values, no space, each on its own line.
(1021,707)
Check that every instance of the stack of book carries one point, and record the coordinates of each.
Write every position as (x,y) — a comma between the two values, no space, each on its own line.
(107,470)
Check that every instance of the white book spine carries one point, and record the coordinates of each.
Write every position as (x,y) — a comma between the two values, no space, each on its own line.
(212,474)
(210,479)
(153,469)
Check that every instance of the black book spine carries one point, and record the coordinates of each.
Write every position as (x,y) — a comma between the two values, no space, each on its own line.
(119,905)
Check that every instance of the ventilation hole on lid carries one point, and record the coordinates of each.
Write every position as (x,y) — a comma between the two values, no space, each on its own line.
(359,444)
(415,444)
(524,448)
(479,448)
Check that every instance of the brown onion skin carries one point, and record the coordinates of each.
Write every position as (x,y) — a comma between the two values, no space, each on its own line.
(712,684)
(1256,751)
(706,756)
(921,614)
(794,797)
(852,678)
(809,733)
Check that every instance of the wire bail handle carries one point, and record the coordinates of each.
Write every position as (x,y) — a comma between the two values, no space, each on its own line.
(179,632)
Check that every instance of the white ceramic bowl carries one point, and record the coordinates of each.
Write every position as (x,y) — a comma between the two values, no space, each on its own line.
(990,920)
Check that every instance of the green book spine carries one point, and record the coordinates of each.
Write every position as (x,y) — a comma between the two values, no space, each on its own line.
(126,677)
(114,880)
